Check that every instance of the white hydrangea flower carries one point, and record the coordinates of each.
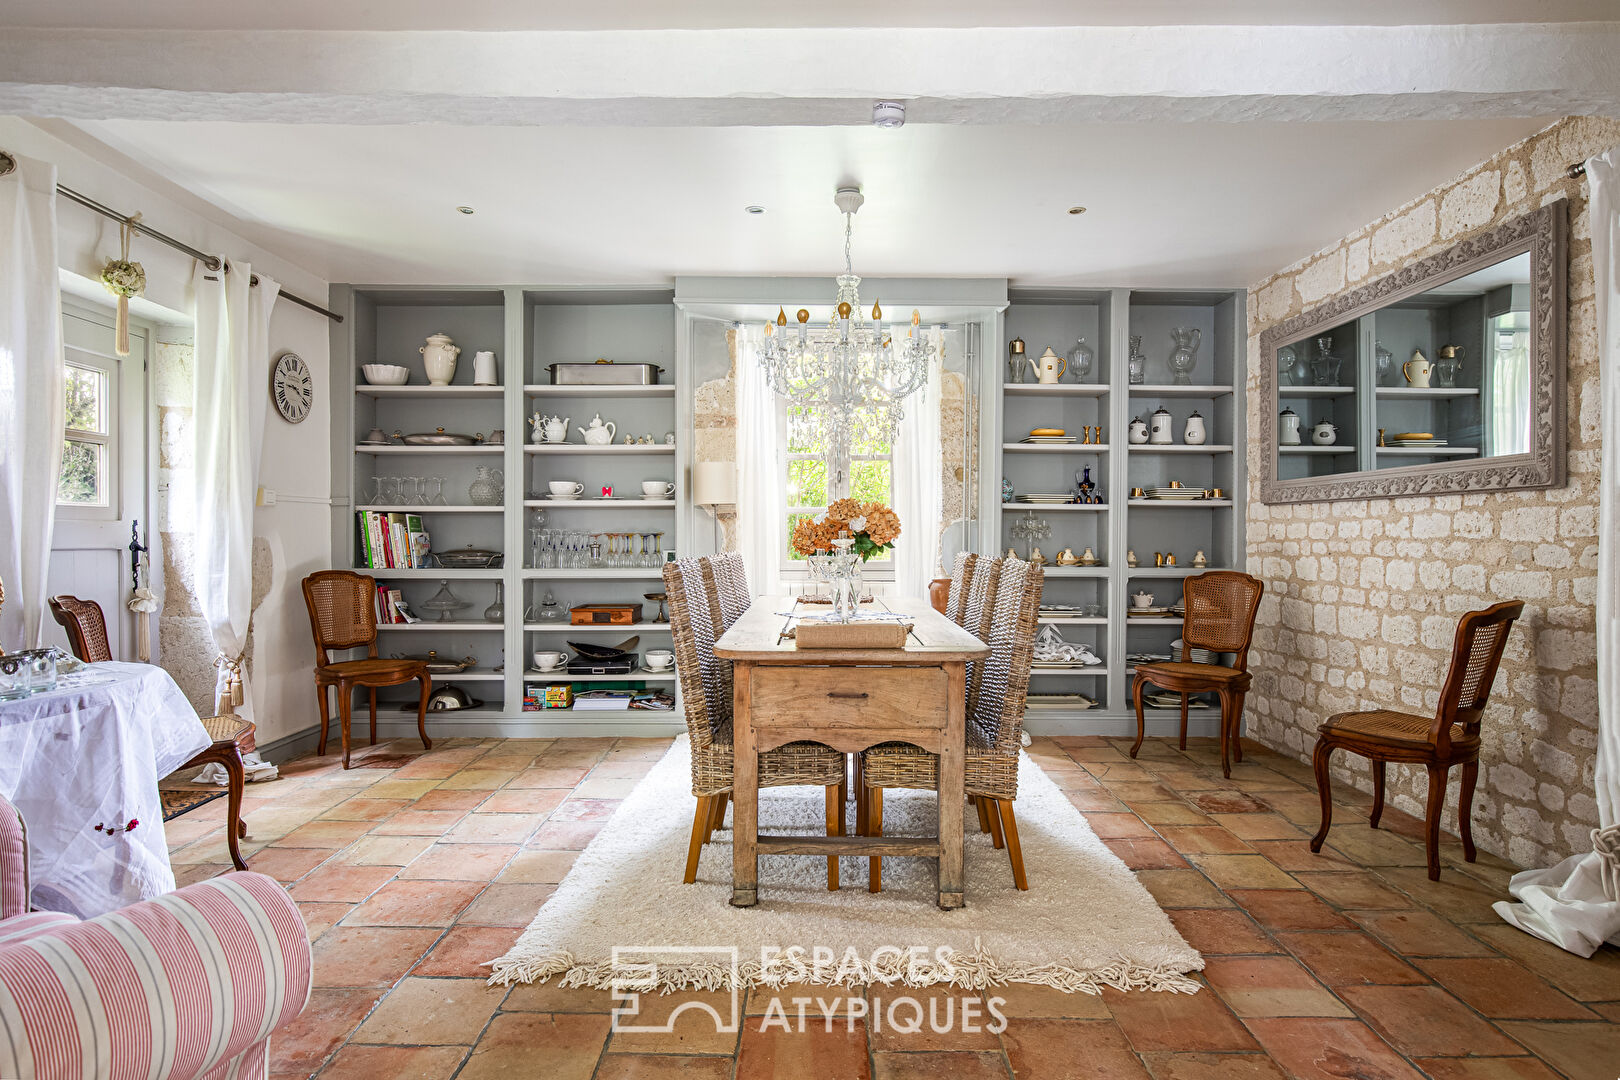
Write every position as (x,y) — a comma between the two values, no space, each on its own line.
(857,524)
(821,518)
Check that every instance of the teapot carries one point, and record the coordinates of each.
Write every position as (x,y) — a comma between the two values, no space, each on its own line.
(1049,367)
(549,429)
(1066,557)
(1325,433)
(439,359)
(598,433)
(1417,369)
(1141,599)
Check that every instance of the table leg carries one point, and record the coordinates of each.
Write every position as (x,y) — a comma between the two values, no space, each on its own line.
(744,792)
(951,763)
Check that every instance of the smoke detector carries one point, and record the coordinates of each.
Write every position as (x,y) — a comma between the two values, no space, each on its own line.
(888,114)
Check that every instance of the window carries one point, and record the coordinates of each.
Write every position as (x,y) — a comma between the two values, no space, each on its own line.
(811,485)
(86,476)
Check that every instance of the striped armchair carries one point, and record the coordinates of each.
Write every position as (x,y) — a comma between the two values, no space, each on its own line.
(189,985)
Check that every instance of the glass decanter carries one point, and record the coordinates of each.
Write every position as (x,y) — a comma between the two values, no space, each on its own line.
(1324,365)
(1136,364)
(1383,363)
(496,612)
(1184,355)
(1080,358)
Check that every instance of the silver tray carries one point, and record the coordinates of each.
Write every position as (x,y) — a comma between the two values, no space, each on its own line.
(604,373)
(440,437)
(469,559)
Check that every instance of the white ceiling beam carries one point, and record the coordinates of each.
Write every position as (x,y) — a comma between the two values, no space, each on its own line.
(1023,75)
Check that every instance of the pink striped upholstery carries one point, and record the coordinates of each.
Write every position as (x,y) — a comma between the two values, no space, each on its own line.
(190,985)
(13,862)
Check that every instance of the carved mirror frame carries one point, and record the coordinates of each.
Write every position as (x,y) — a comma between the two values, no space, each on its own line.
(1542,233)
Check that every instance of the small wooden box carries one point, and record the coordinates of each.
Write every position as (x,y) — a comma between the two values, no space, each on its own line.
(857,635)
(605,614)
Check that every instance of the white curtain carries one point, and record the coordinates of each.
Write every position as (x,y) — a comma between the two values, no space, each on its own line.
(761,471)
(917,485)
(31,395)
(1576,904)
(230,396)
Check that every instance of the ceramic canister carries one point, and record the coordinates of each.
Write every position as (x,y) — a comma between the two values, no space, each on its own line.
(1195,432)
(1159,427)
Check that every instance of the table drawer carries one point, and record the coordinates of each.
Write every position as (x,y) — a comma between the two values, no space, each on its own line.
(849,697)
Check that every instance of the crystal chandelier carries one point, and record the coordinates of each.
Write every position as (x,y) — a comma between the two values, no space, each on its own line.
(848,375)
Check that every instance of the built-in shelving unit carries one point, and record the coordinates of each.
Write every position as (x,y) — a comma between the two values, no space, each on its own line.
(1107,319)
(528,329)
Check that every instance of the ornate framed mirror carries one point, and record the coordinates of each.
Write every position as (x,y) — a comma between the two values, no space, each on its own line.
(1446,376)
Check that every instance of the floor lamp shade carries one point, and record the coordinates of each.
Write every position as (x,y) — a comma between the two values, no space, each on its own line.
(714,483)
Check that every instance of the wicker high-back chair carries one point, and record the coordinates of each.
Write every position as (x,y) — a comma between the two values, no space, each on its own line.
(1221,606)
(232,736)
(961,581)
(695,619)
(343,616)
(1450,737)
(994,729)
(731,579)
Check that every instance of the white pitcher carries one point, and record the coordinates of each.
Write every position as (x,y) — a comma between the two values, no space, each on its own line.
(1417,369)
(484,373)
(439,359)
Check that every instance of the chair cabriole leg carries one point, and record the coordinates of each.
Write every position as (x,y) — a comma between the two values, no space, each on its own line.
(1378,793)
(324,693)
(236,780)
(1141,722)
(1319,761)
(1183,720)
(373,716)
(421,713)
(1465,809)
(1431,818)
(345,716)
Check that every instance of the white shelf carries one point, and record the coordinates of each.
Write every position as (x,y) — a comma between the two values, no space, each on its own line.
(597,504)
(1168,620)
(1049,448)
(1095,670)
(471,675)
(1180,504)
(1180,448)
(430,574)
(1078,620)
(606,573)
(582,448)
(1168,571)
(444,627)
(1069,389)
(1335,448)
(639,675)
(1427,451)
(1314,391)
(607,716)
(430,509)
(1427,392)
(1172,391)
(614,391)
(1093,507)
(1076,571)
(596,628)
(424,391)
(430,451)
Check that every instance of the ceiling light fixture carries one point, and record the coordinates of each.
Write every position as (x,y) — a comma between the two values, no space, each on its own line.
(756,209)
(464,210)
(1077,210)
(888,114)
(848,375)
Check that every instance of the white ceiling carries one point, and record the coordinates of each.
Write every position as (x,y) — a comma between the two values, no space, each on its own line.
(654,14)
(1170,204)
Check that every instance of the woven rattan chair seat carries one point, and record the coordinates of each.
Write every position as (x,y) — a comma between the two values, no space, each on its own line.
(1212,673)
(227,728)
(1396,728)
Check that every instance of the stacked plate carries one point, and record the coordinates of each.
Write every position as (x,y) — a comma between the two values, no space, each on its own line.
(1175,494)
(1172,701)
(1416,440)
(1046,498)
(1050,440)
(1149,612)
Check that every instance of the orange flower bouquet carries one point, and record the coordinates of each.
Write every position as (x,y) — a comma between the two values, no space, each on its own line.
(874,526)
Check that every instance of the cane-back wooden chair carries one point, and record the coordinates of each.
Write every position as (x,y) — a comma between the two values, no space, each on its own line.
(706,695)
(232,736)
(1009,612)
(1221,606)
(343,615)
(1450,737)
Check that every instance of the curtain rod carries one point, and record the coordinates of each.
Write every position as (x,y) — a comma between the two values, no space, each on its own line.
(212,262)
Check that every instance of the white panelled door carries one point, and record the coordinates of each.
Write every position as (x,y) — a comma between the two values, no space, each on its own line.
(104,487)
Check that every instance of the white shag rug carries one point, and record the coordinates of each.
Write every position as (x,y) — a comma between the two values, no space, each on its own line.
(1084,923)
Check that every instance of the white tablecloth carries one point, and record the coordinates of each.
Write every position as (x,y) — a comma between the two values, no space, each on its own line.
(91,752)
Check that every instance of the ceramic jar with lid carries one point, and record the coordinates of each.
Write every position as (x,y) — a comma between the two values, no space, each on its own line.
(1325,433)
(1288,428)
(1138,431)
(1159,427)
(1195,432)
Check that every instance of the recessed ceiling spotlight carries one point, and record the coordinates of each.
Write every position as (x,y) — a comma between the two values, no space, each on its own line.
(1077,210)
(756,209)
(888,114)
(464,210)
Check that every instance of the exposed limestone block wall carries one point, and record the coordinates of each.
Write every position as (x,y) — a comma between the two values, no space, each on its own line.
(1363,596)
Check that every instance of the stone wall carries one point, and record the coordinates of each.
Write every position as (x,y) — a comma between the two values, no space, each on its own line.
(1362,597)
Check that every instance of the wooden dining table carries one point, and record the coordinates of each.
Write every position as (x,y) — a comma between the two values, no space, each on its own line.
(849,699)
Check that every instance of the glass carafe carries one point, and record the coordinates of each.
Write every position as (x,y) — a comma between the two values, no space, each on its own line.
(488,487)
(1184,355)
(1137,362)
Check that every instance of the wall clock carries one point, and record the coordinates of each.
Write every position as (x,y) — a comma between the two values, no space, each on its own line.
(291,387)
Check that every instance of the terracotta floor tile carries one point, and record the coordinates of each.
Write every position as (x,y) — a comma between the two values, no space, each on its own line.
(342,883)
(476,777)
(1212,1067)
(1094,801)
(395,1063)
(564,777)
(325,834)
(1359,890)
(1310,1048)
(460,862)
(1582,1051)
(1158,1021)
(1142,791)
(1418,933)
(1070,1050)
(448,799)
(1258,826)
(565,835)
(1375,847)
(1481,1068)
(942,1025)
(1216,932)
(816,1003)
(397,788)
(429,767)
(431,1012)
(318,918)
(534,867)
(603,787)
(369,955)
(621,769)
(1456,897)
(288,864)
(1228,802)
(1028,1000)
(1585,979)
(549,997)
(1203,840)
(1182,889)
(321,1028)
(465,951)
(506,905)
(361,808)
(962,1065)
(536,801)
(695,1030)
(1269,986)
(1350,959)
(419,823)
(1172,813)
(768,1052)
(1152,854)
(384,850)
(1243,872)
(663,1067)
(1118,826)
(1296,856)
(1502,989)
(575,808)
(1289,909)
(415,903)
(1110,773)
(1425,1020)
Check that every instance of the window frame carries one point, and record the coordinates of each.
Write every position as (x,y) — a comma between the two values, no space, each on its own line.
(74,356)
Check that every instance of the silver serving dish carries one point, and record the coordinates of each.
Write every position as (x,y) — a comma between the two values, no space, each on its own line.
(439,437)
(604,373)
(438,665)
(469,558)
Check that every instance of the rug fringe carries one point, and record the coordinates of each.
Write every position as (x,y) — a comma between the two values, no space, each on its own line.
(976,970)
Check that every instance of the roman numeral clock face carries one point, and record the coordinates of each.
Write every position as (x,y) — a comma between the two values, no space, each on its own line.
(291,388)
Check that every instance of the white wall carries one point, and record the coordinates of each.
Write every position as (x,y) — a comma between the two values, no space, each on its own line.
(296,458)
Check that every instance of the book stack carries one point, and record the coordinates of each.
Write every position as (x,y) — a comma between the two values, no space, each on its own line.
(391,541)
(390,607)
(603,700)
